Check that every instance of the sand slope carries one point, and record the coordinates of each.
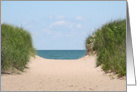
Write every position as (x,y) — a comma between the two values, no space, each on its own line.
(62,75)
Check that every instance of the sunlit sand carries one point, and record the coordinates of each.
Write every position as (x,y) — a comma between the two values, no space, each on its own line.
(62,75)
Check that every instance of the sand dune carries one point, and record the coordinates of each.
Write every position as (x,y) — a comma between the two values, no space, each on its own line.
(62,75)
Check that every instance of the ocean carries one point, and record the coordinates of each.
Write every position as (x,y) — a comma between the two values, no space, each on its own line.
(61,54)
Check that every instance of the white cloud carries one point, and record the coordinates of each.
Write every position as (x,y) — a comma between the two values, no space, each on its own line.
(80,18)
(57,17)
(24,23)
(52,34)
(57,23)
(61,23)
(36,20)
(50,16)
(47,30)
(28,26)
(79,26)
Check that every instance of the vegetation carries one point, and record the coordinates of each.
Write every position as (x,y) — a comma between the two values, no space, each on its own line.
(89,44)
(109,43)
(16,47)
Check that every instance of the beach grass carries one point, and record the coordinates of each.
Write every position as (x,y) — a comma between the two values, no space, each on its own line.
(16,47)
(109,43)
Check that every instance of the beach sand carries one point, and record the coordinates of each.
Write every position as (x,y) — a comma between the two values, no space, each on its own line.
(62,75)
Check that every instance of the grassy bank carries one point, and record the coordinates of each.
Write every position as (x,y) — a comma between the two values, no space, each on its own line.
(109,43)
(16,48)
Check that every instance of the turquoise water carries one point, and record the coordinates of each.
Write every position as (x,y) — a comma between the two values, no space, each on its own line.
(61,54)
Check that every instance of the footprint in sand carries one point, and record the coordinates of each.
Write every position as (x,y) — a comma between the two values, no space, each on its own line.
(90,89)
(84,87)
(71,86)
(58,79)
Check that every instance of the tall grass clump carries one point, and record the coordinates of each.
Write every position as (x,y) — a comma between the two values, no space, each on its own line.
(110,46)
(89,44)
(16,47)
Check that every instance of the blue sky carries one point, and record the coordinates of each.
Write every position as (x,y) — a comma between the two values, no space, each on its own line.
(61,25)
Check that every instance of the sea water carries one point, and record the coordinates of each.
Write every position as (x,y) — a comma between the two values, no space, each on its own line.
(61,54)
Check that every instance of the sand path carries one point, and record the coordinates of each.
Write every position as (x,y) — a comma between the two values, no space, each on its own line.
(62,75)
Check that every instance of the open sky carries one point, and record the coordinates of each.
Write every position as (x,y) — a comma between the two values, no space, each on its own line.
(61,25)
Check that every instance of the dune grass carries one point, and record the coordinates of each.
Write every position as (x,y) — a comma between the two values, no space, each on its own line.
(89,44)
(16,48)
(109,43)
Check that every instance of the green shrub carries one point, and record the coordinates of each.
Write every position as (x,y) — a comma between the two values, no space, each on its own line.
(110,46)
(16,47)
(89,44)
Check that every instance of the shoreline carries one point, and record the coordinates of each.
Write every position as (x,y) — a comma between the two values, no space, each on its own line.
(62,75)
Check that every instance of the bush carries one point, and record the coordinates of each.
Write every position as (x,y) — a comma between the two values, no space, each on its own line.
(110,46)
(89,44)
(16,47)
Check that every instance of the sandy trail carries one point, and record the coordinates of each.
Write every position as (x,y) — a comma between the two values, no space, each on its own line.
(62,75)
